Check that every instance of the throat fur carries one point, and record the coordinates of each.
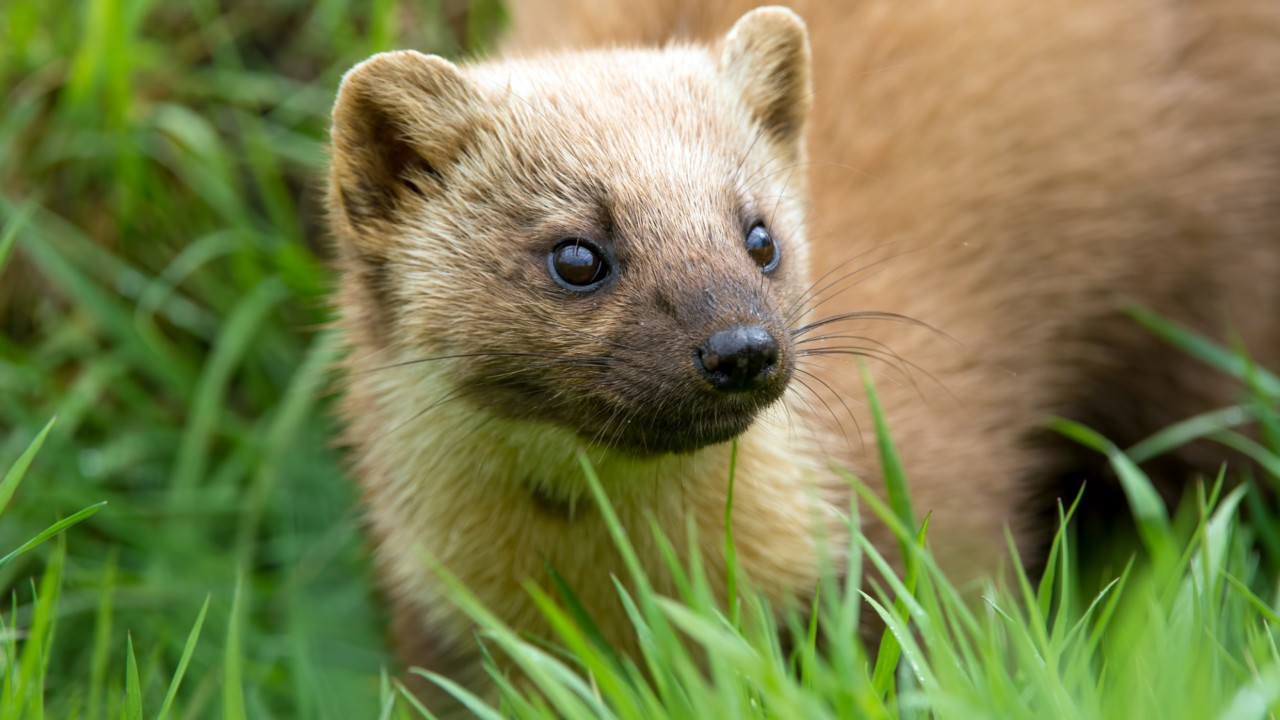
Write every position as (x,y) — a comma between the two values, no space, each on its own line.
(533,513)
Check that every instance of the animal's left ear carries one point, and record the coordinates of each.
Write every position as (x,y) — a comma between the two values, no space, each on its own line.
(766,58)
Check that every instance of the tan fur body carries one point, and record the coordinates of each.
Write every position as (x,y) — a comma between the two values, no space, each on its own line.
(1008,172)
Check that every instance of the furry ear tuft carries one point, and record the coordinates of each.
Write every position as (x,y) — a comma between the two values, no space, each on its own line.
(766,57)
(400,121)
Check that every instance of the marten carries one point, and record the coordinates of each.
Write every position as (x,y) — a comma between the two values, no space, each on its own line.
(646,235)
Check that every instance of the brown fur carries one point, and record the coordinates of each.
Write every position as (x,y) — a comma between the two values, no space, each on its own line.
(1008,172)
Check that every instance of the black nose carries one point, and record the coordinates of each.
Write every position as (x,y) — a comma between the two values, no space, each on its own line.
(738,358)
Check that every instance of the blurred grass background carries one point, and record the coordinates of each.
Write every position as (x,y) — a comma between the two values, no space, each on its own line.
(161,188)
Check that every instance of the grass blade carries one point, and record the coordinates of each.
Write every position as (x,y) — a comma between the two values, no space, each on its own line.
(894,477)
(1205,350)
(413,701)
(9,235)
(233,660)
(1148,509)
(101,653)
(240,329)
(50,531)
(187,650)
(1181,433)
(133,689)
(470,700)
(19,468)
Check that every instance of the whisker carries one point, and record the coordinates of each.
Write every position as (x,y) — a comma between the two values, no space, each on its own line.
(605,340)
(469,390)
(450,396)
(825,404)
(810,293)
(761,176)
(785,184)
(897,361)
(605,426)
(747,155)
(457,356)
(892,361)
(843,336)
(884,351)
(478,427)
(856,425)
(788,417)
(811,302)
(765,167)
(868,315)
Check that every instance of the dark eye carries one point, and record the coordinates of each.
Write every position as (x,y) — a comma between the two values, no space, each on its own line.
(577,264)
(762,249)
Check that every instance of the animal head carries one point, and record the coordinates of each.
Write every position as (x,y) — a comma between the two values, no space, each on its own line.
(611,242)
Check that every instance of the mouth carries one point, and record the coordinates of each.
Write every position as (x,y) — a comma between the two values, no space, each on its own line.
(642,414)
(647,435)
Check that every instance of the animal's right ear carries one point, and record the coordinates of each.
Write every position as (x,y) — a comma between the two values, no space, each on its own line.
(400,121)
(766,59)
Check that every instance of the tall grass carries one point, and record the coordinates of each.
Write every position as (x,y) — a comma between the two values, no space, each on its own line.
(181,541)
(161,172)
(1185,629)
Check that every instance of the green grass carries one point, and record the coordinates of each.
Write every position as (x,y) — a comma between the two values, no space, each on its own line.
(161,176)
(182,542)
(1185,629)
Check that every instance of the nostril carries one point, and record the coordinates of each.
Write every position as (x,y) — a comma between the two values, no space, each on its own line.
(770,353)
(738,358)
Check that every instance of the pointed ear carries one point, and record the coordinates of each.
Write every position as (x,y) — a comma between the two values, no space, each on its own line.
(400,121)
(766,58)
